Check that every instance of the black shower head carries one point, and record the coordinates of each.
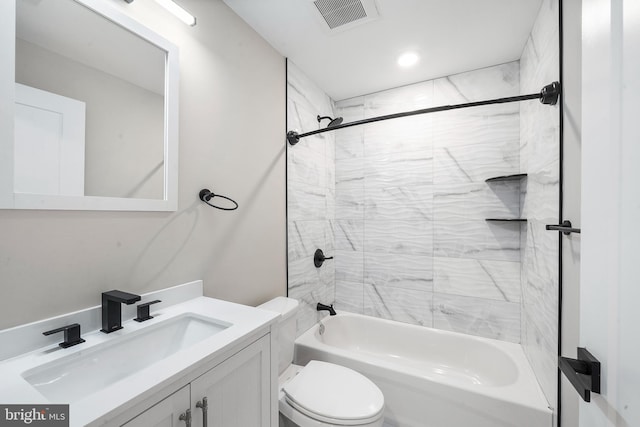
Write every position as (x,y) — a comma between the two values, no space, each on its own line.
(332,122)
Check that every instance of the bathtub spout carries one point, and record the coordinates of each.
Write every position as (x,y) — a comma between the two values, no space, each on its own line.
(329,308)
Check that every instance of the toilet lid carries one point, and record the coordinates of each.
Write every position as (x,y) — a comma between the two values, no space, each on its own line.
(333,393)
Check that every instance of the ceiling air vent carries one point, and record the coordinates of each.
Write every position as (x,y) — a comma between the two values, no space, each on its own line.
(344,14)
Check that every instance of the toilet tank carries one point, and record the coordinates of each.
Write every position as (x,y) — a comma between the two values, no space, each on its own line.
(287,307)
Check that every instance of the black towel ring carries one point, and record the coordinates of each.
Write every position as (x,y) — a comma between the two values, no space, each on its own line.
(206,195)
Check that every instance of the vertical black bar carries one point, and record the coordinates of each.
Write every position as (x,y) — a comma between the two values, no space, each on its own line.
(561,214)
(286,172)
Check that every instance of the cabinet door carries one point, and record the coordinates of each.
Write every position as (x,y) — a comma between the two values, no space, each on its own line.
(165,413)
(237,391)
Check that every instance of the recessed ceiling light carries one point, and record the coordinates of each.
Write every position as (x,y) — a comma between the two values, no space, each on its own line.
(408,59)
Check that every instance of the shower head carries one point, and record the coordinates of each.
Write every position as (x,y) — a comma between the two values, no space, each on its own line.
(332,122)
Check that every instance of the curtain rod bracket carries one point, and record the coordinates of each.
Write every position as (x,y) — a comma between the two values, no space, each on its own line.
(550,93)
(292,137)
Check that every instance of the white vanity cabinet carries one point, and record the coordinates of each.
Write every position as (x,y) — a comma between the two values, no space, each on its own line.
(165,413)
(238,393)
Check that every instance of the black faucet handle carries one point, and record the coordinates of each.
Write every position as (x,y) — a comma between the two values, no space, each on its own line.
(143,311)
(71,335)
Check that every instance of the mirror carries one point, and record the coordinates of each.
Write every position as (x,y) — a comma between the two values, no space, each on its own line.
(95,114)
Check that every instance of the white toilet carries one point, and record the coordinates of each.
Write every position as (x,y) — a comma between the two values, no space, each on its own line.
(320,394)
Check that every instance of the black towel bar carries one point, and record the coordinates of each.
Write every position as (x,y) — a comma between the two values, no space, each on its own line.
(205,195)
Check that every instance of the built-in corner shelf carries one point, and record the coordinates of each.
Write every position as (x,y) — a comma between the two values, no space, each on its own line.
(506,178)
(514,177)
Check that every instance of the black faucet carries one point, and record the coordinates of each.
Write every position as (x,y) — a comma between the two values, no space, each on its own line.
(329,308)
(111,309)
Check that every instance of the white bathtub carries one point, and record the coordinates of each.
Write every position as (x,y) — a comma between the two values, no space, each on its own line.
(432,378)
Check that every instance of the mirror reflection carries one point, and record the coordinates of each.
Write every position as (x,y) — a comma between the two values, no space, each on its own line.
(90,105)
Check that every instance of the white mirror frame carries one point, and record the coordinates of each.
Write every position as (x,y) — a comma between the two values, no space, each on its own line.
(11,200)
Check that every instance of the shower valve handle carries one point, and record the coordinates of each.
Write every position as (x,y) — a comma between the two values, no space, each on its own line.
(319,258)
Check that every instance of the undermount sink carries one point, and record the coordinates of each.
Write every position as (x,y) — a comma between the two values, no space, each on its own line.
(73,377)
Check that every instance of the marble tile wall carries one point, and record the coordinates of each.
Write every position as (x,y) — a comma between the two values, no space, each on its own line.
(539,156)
(411,239)
(311,197)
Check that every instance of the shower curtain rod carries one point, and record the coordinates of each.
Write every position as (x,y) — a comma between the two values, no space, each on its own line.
(548,96)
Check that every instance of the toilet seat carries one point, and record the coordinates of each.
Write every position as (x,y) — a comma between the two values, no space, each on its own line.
(334,394)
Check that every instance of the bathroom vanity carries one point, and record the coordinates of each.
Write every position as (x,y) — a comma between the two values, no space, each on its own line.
(198,362)
(236,392)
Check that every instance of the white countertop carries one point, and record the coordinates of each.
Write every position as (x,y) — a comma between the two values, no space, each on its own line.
(245,321)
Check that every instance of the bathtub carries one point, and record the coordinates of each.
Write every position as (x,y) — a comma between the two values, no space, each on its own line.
(429,377)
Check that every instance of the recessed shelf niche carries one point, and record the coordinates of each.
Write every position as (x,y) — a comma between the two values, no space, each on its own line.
(505,178)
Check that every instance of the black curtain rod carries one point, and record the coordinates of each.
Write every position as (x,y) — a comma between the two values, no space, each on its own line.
(548,96)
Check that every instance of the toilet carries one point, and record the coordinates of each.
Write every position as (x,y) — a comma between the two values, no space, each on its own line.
(320,394)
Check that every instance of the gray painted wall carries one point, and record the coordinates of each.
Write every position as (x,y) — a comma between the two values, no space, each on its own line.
(231,141)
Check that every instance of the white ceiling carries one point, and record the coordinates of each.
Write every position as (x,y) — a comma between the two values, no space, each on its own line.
(451,36)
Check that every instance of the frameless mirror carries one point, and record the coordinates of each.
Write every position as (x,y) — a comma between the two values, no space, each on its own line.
(95,114)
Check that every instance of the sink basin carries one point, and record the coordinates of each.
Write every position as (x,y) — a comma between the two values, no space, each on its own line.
(71,378)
